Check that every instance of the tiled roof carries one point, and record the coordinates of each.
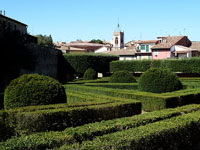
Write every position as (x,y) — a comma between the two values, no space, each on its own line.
(121,52)
(195,45)
(148,41)
(77,49)
(84,44)
(170,41)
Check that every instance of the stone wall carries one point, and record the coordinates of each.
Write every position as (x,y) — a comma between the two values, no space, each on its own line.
(45,61)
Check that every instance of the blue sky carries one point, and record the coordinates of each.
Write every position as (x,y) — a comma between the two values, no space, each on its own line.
(68,20)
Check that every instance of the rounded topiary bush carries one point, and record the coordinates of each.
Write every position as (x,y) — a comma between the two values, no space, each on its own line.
(122,77)
(90,74)
(33,89)
(158,80)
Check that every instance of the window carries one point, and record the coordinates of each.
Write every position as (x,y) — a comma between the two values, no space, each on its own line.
(147,48)
(142,47)
(149,57)
(116,40)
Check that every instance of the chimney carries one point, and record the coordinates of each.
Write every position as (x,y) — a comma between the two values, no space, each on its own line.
(0,12)
(4,12)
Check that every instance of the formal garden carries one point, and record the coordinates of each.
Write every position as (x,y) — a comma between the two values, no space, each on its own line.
(157,110)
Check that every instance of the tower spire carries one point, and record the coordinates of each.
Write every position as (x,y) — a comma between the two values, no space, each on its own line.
(118,26)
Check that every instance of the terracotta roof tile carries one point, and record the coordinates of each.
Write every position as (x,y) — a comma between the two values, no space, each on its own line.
(170,41)
(121,52)
(195,45)
(148,41)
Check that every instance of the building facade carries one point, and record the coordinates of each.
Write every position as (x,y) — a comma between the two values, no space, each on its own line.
(162,50)
(11,24)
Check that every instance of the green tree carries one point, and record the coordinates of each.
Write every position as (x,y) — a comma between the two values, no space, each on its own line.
(45,40)
(96,41)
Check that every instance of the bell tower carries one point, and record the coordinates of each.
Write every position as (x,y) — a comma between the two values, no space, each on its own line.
(118,38)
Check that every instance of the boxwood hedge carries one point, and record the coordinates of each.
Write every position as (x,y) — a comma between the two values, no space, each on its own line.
(181,132)
(190,65)
(150,101)
(25,121)
(122,77)
(90,131)
(90,74)
(159,80)
(33,89)
(81,62)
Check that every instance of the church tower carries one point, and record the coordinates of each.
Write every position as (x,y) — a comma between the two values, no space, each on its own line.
(118,38)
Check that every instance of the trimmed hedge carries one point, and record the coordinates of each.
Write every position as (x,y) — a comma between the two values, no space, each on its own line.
(75,97)
(90,74)
(6,130)
(81,62)
(189,65)
(180,132)
(1,100)
(98,80)
(158,80)
(90,131)
(128,86)
(150,101)
(131,66)
(61,118)
(122,77)
(33,89)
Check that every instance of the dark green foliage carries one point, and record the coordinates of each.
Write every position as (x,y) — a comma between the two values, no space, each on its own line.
(45,40)
(127,86)
(178,133)
(1,100)
(131,66)
(122,77)
(189,65)
(150,101)
(25,121)
(6,130)
(81,62)
(33,89)
(90,74)
(98,41)
(159,80)
(90,131)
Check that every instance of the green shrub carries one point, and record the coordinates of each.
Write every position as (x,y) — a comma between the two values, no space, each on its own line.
(129,86)
(181,132)
(90,74)
(122,77)
(131,66)
(81,62)
(92,130)
(6,130)
(1,100)
(159,80)
(25,121)
(190,65)
(150,101)
(33,89)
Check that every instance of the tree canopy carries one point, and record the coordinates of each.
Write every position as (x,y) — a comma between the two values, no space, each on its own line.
(45,40)
(96,41)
